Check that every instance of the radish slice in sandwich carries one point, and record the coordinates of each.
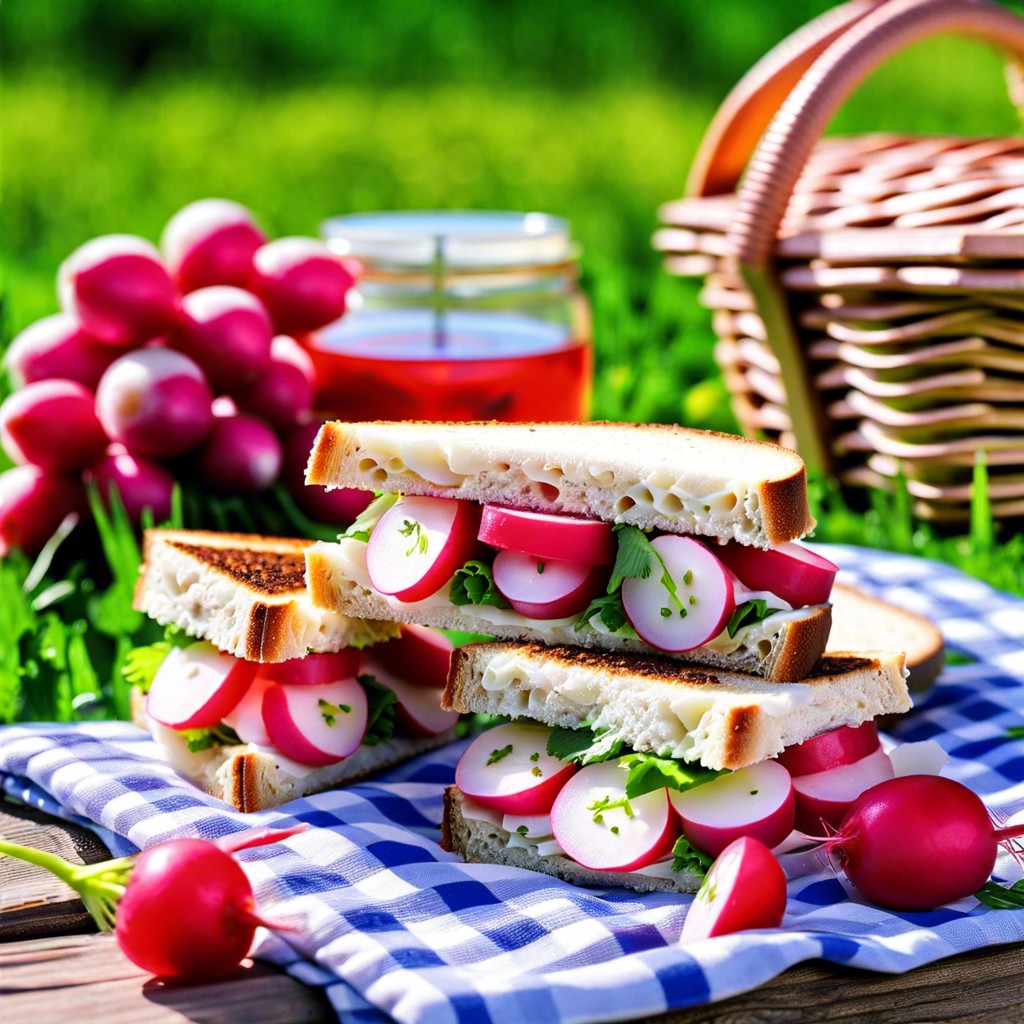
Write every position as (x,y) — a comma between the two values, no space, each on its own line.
(419,707)
(314,669)
(246,718)
(420,655)
(825,797)
(700,606)
(509,770)
(756,801)
(599,828)
(418,545)
(831,749)
(796,574)
(547,589)
(315,725)
(543,535)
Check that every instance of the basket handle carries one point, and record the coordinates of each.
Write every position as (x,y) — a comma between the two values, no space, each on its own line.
(746,112)
(787,144)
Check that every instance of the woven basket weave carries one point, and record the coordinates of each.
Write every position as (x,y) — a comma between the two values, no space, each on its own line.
(868,292)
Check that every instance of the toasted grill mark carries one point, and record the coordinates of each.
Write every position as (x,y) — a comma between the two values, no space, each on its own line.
(268,572)
(740,730)
(839,664)
(651,666)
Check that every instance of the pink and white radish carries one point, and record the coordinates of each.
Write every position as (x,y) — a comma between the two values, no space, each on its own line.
(227,333)
(33,503)
(508,769)
(246,717)
(831,749)
(316,725)
(209,242)
(314,669)
(340,505)
(155,402)
(825,797)
(796,574)
(419,707)
(241,454)
(420,655)
(918,842)
(196,686)
(546,536)
(694,611)
(303,284)
(545,588)
(118,289)
(744,888)
(57,346)
(52,424)
(141,483)
(283,393)
(418,545)
(598,827)
(756,801)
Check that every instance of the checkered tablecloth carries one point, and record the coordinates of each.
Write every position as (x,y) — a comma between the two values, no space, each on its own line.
(392,926)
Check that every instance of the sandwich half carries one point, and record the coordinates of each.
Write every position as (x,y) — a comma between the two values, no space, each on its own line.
(620,537)
(259,696)
(636,771)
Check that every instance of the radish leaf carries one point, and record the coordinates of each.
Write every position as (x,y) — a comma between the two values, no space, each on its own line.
(648,772)
(686,858)
(583,746)
(992,894)
(381,708)
(748,614)
(474,584)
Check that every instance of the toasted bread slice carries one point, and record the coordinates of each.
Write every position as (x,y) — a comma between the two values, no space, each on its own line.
(721,719)
(244,593)
(654,476)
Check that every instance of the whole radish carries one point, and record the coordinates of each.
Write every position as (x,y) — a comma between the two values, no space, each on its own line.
(283,392)
(340,505)
(33,503)
(918,842)
(211,241)
(57,346)
(140,482)
(241,453)
(118,289)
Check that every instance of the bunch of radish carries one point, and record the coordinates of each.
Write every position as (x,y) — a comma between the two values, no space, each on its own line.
(183,362)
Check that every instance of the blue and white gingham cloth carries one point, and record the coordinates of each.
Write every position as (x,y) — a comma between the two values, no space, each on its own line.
(394,926)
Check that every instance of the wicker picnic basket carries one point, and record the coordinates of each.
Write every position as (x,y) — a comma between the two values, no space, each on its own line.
(868,292)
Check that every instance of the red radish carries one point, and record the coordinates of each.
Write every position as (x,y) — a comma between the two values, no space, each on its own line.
(196,686)
(211,241)
(917,842)
(241,453)
(791,571)
(756,801)
(826,796)
(316,725)
(57,346)
(546,536)
(227,333)
(418,545)
(420,655)
(314,669)
(283,393)
(419,707)
(599,828)
(547,589)
(699,609)
(118,289)
(744,888)
(831,749)
(340,505)
(155,402)
(246,718)
(302,283)
(141,483)
(53,425)
(508,768)
(33,503)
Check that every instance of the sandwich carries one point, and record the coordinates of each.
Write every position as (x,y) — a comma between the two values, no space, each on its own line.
(636,771)
(620,537)
(259,696)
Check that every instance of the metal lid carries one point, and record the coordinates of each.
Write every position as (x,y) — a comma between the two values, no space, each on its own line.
(452,239)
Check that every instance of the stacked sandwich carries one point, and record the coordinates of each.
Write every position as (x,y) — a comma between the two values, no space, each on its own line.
(660,636)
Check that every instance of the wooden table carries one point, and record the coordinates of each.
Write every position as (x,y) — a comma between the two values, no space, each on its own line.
(55,968)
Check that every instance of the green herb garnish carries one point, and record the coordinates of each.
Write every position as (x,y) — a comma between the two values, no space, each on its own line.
(381,710)
(499,755)
(522,830)
(606,803)
(583,746)
(216,736)
(611,613)
(364,523)
(414,530)
(748,614)
(474,584)
(331,711)
(686,858)
(648,772)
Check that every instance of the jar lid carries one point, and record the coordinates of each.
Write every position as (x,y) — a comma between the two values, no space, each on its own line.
(454,239)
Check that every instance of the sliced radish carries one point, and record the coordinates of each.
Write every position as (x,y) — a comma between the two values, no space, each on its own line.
(419,543)
(831,749)
(925,757)
(508,768)
(420,655)
(756,801)
(599,828)
(314,669)
(744,888)
(419,707)
(794,573)
(196,686)
(315,725)
(547,589)
(701,606)
(826,796)
(246,718)
(543,535)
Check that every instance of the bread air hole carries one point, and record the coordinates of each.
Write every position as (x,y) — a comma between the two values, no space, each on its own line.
(548,492)
(670,504)
(367,465)
(395,465)
(764,648)
(624,504)
(601,477)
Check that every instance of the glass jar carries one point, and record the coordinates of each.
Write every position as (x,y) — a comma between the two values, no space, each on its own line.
(458,315)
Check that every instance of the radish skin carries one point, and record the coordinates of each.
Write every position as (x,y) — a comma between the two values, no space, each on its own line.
(823,798)
(831,749)
(547,536)
(314,669)
(316,725)
(547,589)
(420,655)
(796,574)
